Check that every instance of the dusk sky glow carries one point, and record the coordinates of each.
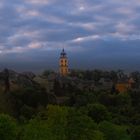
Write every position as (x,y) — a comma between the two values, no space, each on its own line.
(102,34)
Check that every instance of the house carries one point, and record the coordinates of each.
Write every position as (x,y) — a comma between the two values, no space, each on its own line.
(124,85)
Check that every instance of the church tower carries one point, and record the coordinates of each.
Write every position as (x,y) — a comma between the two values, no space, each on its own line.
(63,63)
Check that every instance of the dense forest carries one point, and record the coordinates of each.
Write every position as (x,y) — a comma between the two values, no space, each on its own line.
(51,107)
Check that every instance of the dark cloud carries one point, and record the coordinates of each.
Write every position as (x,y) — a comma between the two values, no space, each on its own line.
(106,33)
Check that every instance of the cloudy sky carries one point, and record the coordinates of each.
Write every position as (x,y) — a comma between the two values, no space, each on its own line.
(102,34)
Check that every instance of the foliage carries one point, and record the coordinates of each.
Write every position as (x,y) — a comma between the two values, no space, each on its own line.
(84,115)
(98,112)
(82,99)
(52,128)
(8,128)
(113,132)
(61,123)
(81,127)
(136,133)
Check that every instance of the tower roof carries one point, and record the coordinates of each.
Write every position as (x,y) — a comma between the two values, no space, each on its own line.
(63,53)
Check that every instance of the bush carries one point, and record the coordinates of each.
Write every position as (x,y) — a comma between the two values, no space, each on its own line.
(98,112)
(8,128)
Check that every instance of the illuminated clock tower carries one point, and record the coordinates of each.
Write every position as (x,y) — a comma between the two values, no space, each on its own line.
(63,63)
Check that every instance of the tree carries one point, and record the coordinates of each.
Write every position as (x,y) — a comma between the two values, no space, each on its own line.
(61,123)
(8,128)
(135,96)
(35,130)
(50,125)
(98,112)
(135,119)
(114,76)
(57,121)
(81,127)
(26,112)
(97,75)
(136,76)
(82,98)
(6,80)
(46,73)
(136,133)
(113,132)
(58,91)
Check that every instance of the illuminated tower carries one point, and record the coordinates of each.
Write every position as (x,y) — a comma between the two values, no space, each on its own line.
(63,63)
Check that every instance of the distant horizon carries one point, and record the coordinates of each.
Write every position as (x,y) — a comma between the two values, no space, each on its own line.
(39,71)
(76,61)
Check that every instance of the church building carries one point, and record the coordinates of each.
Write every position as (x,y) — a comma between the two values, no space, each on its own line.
(63,64)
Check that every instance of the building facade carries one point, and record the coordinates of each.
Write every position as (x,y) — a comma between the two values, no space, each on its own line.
(63,64)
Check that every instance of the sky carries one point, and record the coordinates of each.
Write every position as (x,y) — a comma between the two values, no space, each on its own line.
(96,34)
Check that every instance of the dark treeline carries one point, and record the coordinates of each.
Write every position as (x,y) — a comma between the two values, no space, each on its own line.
(80,106)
